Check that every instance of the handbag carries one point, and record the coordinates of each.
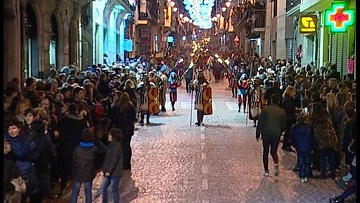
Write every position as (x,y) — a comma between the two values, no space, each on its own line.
(19,184)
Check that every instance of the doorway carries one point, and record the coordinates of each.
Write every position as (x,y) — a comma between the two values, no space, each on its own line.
(31,47)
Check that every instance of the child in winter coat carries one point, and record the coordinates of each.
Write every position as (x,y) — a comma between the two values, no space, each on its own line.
(83,169)
(113,165)
(303,139)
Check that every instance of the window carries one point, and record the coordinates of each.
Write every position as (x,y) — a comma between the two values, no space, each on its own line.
(275,8)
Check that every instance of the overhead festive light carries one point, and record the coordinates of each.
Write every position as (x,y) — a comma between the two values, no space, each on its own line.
(172,4)
(228,4)
(200,12)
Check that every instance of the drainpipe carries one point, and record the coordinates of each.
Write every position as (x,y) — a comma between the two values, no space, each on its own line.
(271,24)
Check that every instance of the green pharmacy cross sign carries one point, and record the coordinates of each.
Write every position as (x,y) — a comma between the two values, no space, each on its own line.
(338,19)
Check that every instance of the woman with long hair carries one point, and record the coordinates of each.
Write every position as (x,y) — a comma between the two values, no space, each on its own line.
(289,106)
(326,138)
(125,117)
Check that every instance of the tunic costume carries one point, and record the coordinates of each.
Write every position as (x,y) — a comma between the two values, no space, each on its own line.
(200,85)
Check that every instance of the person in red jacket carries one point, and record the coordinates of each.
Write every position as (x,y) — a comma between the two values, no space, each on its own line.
(99,108)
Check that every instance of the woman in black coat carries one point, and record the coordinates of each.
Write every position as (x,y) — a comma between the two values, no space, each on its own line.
(289,106)
(125,119)
(70,128)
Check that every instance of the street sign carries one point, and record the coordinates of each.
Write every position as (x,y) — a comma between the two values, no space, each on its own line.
(308,24)
(128,45)
(338,18)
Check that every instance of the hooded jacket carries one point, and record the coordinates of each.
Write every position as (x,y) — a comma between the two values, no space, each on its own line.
(302,138)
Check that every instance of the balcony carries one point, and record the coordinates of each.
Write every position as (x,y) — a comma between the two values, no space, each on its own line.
(290,4)
(151,15)
(258,20)
(293,7)
(241,14)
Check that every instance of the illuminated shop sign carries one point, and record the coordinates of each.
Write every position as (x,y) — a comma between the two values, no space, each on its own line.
(338,18)
(308,24)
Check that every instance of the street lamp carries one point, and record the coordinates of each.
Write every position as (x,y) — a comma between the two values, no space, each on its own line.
(223,9)
(172,4)
(181,15)
(228,4)
(175,9)
(218,15)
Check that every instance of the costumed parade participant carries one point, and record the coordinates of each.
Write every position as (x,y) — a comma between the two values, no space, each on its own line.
(154,94)
(203,99)
(163,90)
(149,102)
(243,88)
(173,84)
(233,81)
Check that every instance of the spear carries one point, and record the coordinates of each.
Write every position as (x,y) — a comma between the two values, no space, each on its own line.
(192,94)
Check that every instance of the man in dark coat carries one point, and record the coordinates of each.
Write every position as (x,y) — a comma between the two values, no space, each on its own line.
(270,126)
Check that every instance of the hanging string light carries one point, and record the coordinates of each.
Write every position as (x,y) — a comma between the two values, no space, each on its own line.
(200,12)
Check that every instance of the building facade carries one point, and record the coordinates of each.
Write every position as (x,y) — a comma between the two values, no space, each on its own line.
(322,46)
(40,35)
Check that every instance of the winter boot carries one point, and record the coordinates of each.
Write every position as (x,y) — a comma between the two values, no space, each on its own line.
(173,106)
(147,118)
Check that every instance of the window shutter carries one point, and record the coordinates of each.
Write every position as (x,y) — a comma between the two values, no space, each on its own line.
(339,50)
(345,53)
(289,49)
(333,49)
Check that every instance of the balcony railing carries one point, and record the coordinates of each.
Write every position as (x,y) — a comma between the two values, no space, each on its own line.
(239,16)
(258,19)
(290,4)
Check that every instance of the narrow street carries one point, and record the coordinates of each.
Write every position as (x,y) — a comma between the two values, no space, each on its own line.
(218,162)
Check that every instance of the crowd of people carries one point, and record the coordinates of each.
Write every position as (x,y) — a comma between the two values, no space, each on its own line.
(312,109)
(64,127)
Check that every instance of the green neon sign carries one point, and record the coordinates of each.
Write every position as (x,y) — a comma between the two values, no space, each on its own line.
(339,19)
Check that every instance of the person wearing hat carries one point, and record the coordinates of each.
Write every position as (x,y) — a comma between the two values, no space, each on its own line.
(243,88)
(163,90)
(199,86)
(142,89)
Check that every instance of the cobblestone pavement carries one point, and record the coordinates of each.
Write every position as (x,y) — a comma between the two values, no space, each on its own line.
(220,162)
